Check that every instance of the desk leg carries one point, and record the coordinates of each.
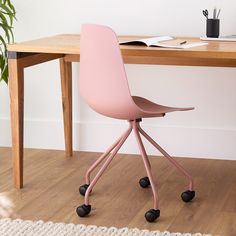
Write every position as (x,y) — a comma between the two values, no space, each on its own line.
(16,86)
(66,88)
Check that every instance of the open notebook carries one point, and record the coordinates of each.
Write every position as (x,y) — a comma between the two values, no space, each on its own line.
(163,41)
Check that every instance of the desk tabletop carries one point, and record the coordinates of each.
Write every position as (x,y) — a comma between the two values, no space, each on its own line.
(69,44)
(215,53)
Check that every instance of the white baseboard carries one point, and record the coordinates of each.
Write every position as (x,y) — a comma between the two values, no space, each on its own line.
(212,143)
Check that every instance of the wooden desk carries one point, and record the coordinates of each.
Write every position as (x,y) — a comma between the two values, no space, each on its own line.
(66,49)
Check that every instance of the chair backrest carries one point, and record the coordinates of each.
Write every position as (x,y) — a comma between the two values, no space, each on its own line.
(103,83)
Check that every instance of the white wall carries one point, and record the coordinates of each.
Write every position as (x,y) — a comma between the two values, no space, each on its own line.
(207,132)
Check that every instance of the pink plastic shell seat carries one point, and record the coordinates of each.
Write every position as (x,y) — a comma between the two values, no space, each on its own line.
(103,81)
(103,85)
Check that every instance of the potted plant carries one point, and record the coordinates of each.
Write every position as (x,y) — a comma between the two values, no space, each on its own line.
(7,16)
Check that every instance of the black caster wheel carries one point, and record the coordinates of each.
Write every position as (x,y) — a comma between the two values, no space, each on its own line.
(144,182)
(83,210)
(188,195)
(152,215)
(83,189)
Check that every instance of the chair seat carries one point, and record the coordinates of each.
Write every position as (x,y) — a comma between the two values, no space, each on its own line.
(151,109)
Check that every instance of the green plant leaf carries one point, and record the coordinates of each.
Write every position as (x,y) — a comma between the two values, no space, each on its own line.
(11,6)
(3,42)
(7,16)
(6,30)
(3,18)
(7,11)
(11,17)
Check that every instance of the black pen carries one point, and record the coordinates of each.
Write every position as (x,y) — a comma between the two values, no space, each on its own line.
(181,43)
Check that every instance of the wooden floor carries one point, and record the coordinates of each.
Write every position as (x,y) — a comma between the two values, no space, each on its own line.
(52,181)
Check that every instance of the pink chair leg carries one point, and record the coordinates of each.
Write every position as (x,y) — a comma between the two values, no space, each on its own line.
(146,164)
(169,158)
(100,159)
(105,165)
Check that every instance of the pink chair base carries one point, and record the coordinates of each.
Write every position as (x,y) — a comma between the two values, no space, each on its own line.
(112,151)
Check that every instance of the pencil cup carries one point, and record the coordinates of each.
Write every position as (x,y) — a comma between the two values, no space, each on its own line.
(213,28)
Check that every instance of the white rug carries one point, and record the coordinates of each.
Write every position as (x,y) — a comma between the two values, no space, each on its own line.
(19,227)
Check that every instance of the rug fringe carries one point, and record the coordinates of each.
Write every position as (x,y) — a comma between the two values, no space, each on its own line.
(18,227)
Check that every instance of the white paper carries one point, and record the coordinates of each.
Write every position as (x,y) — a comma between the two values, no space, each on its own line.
(227,38)
(183,46)
(152,41)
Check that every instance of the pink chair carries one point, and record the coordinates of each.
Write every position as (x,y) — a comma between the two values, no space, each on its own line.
(104,86)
